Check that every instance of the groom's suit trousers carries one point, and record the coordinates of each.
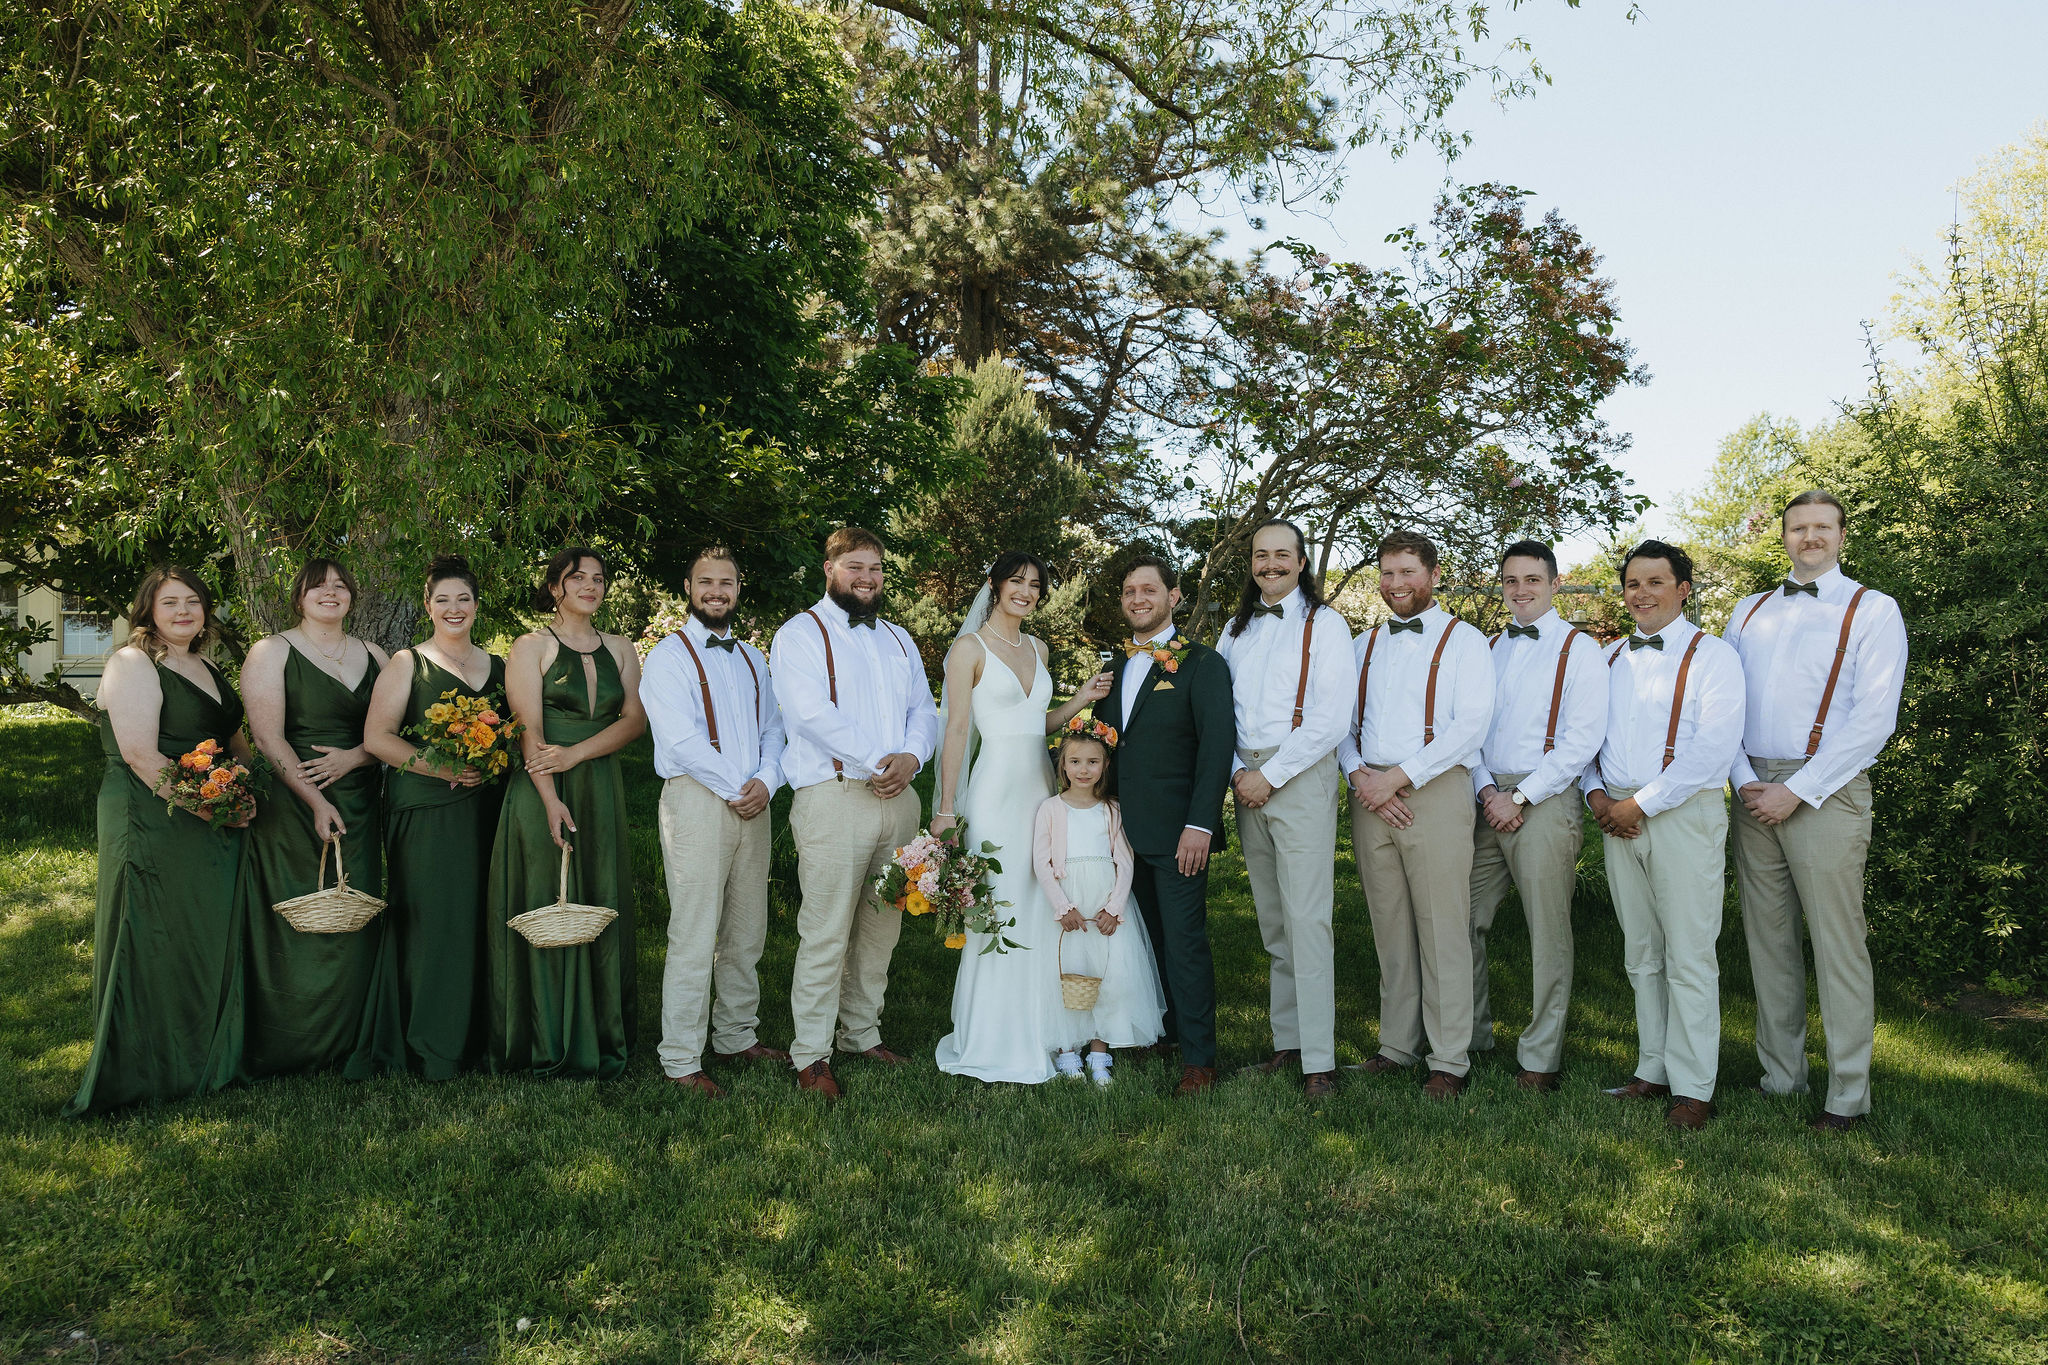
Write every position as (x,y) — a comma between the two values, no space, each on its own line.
(717,868)
(1176,911)
(845,836)
(1289,852)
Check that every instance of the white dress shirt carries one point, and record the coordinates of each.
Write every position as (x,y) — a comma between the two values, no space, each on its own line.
(1639,687)
(885,702)
(1390,733)
(750,739)
(1787,648)
(1524,681)
(1265,671)
(1132,685)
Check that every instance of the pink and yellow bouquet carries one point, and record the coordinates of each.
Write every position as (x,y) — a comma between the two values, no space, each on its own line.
(212,784)
(934,875)
(468,732)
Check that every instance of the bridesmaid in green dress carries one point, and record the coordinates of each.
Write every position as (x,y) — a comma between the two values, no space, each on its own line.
(308,691)
(567,1011)
(426,1005)
(166,973)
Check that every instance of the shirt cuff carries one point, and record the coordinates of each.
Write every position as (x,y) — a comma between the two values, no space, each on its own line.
(1481,780)
(878,761)
(1807,789)
(1654,797)
(1236,766)
(1283,777)
(1199,830)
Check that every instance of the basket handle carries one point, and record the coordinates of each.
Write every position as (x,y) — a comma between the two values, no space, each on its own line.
(340,869)
(320,878)
(562,886)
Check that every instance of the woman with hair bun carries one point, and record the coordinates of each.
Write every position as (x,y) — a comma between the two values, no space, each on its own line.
(566,1011)
(426,1005)
(166,973)
(308,692)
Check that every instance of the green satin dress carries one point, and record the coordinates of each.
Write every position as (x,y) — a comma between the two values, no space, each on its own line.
(427,996)
(306,991)
(566,1011)
(166,973)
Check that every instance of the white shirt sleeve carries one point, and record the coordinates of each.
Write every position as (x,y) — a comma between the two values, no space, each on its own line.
(921,720)
(796,666)
(1464,708)
(1705,756)
(675,714)
(1581,723)
(1858,726)
(773,742)
(1349,759)
(1325,717)
(1740,773)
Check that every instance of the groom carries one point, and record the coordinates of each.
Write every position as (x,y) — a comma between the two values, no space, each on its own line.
(1171,703)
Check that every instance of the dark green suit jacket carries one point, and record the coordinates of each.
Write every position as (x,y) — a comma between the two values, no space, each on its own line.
(1173,759)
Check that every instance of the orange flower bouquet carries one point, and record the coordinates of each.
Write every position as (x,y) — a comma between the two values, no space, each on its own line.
(934,875)
(468,732)
(211,783)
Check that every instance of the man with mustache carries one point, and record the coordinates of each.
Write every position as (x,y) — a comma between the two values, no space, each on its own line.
(1423,702)
(1825,662)
(1674,724)
(718,749)
(1290,671)
(859,715)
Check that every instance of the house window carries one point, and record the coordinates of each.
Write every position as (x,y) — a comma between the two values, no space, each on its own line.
(10,602)
(85,631)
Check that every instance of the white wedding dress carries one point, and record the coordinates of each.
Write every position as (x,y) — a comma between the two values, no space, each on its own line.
(1007,1016)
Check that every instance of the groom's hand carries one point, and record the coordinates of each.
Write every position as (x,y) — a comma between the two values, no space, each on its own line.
(897,770)
(1193,854)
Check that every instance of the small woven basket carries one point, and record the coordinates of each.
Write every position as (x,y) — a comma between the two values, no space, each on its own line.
(565,923)
(1077,992)
(336,909)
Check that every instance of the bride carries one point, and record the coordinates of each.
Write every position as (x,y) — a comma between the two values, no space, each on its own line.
(1007,1016)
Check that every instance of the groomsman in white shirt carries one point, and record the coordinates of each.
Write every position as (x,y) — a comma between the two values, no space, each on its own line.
(1420,713)
(718,748)
(1674,723)
(1825,659)
(1291,675)
(1549,717)
(858,712)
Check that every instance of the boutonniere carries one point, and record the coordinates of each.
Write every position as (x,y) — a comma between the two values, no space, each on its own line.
(1170,656)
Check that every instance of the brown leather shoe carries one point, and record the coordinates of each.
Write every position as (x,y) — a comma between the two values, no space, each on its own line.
(878,1053)
(1379,1064)
(1319,1085)
(1279,1061)
(756,1053)
(698,1081)
(1691,1115)
(1536,1080)
(1442,1085)
(817,1077)
(1639,1089)
(1824,1122)
(1195,1079)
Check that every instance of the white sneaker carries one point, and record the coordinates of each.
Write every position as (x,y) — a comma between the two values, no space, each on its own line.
(1068,1064)
(1098,1068)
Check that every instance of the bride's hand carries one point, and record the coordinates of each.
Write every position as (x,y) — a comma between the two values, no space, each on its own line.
(941,823)
(1097,687)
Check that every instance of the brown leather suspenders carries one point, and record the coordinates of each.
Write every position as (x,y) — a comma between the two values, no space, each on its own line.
(1428,697)
(1372,642)
(1308,631)
(832,671)
(1827,696)
(1564,658)
(704,685)
(1677,698)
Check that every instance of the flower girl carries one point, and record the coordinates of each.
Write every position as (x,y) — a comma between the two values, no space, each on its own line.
(1084,866)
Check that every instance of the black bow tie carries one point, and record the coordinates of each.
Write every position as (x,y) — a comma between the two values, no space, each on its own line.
(866,618)
(1810,589)
(1636,642)
(1414,625)
(728,643)
(1529,631)
(1277,609)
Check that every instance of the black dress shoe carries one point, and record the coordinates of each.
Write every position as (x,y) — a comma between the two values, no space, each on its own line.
(1824,1122)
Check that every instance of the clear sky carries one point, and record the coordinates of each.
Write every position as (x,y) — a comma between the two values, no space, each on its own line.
(1755,175)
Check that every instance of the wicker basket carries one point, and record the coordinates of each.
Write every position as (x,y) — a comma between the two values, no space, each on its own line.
(337,909)
(1077,992)
(563,924)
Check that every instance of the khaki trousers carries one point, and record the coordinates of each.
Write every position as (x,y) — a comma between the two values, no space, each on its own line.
(717,868)
(1541,861)
(1667,889)
(1289,847)
(1811,868)
(845,836)
(1418,888)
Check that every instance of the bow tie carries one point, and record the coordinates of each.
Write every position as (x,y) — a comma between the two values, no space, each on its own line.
(1414,625)
(1132,649)
(1277,609)
(866,618)
(1529,631)
(1810,589)
(1636,642)
(728,643)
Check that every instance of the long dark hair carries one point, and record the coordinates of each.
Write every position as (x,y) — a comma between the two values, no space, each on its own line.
(566,561)
(1006,565)
(1311,590)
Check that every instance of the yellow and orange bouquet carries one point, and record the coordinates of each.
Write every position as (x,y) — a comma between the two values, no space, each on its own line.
(468,732)
(934,875)
(211,783)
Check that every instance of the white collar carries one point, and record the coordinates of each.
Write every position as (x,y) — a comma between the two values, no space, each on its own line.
(700,632)
(1835,572)
(1161,638)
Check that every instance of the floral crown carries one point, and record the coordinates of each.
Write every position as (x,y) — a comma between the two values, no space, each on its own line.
(1086,727)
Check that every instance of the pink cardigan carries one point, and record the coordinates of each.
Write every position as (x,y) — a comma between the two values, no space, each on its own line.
(1049,857)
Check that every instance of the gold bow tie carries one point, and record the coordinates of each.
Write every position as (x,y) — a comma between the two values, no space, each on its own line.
(1132,649)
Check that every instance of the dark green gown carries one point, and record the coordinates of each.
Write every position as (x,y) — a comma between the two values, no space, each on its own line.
(166,974)
(426,1003)
(306,991)
(566,1011)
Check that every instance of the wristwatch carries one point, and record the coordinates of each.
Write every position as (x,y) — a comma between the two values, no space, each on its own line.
(1517,797)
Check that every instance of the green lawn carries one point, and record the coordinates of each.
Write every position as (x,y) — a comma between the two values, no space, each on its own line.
(929,1218)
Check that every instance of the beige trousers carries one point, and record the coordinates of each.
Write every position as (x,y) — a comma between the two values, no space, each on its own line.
(845,836)
(1289,848)
(1811,868)
(1540,861)
(717,868)
(1667,885)
(1418,888)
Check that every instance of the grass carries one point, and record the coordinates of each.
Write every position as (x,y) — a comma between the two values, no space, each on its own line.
(930,1218)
